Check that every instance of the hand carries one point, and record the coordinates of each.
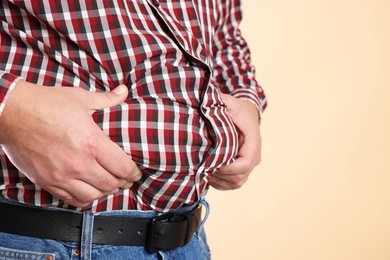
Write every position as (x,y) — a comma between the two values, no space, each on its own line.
(246,119)
(49,135)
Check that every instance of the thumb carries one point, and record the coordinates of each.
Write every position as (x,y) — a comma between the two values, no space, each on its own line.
(100,100)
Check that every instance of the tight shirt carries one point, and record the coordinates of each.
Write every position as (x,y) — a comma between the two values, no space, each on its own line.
(175,57)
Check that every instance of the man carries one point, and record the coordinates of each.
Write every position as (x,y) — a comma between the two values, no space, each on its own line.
(170,83)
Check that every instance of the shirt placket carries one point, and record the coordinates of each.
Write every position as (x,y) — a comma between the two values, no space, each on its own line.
(183,38)
(187,43)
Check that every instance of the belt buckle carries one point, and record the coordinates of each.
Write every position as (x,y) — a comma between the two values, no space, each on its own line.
(153,233)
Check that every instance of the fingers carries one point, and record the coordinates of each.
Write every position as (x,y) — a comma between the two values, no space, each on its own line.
(235,175)
(228,182)
(100,100)
(91,186)
(101,179)
(249,156)
(134,176)
(76,193)
(114,160)
(245,117)
(108,154)
(84,164)
(126,184)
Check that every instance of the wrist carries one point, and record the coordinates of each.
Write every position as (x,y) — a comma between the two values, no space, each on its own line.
(253,109)
(238,106)
(12,110)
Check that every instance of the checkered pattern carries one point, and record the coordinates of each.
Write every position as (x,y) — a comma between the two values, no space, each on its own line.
(174,56)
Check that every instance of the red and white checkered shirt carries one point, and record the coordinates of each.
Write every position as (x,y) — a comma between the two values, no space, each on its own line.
(174,56)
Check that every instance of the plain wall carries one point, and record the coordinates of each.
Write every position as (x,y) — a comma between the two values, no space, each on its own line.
(322,189)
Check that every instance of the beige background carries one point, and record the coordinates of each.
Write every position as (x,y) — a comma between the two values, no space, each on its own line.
(322,190)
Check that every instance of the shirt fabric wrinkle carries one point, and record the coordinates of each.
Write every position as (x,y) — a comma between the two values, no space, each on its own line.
(174,59)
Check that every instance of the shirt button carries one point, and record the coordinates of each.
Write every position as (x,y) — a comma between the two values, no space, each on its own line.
(156,2)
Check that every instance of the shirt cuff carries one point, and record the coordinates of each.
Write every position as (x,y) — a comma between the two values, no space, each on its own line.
(7,84)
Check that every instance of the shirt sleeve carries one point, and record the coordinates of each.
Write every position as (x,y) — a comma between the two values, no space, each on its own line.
(233,70)
(7,83)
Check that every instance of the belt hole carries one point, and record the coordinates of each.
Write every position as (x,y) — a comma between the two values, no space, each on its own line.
(120,231)
(99,230)
(139,232)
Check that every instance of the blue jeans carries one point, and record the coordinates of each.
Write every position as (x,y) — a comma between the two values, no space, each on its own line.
(22,247)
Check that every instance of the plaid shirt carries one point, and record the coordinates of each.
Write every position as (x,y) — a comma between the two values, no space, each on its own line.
(174,56)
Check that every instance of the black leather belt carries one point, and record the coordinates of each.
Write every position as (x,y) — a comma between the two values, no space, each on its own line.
(164,232)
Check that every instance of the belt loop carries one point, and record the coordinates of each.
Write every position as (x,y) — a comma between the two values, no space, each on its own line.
(86,236)
(204,202)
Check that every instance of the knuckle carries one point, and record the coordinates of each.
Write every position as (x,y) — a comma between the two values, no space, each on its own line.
(54,176)
(91,144)
(246,167)
(236,186)
(59,193)
(79,204)
(77,167)
(240,184)
(124,170)
(89,197)
(110,184)
(238,180)
(109,98)
(67,198)
(74,163)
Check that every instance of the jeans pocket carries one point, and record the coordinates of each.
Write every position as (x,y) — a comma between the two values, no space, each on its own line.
(8,253)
